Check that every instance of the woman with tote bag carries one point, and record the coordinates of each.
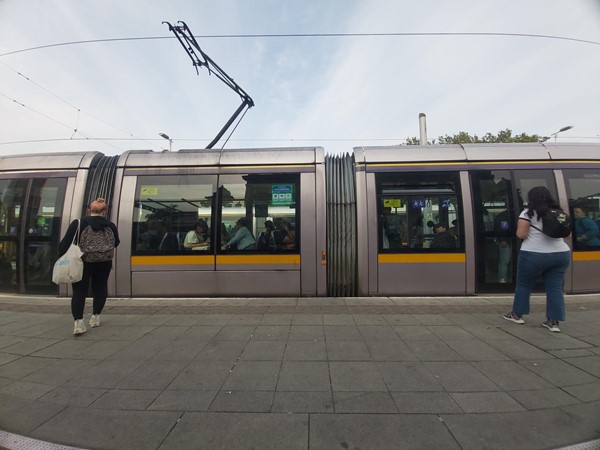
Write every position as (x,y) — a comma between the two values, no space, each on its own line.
(97,239)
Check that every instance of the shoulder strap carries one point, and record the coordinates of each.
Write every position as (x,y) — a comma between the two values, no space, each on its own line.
(76,236)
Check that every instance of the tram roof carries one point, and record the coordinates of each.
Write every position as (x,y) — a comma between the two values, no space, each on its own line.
(477,152)
(225,157)
(49,161)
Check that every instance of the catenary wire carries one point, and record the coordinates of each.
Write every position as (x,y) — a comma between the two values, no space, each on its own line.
(309,35)
(79,110)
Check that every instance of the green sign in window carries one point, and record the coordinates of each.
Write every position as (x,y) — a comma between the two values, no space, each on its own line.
(282,194)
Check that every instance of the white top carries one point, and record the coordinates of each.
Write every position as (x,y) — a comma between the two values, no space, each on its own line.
(538,242)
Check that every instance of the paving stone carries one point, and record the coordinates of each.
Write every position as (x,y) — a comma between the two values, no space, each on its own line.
(475,350)
(24,389)
(302,402)
(511,376)
(242,401)
(307,319)
(7,357)
(558,372)
(408,377)
(276,319)
(305,351)
(22,416)
(217,431)
(364,402)
(151,374)
(181,349)
(519,350)
(485,402)
(202,332)
(425,403)
(342,333)
(126,399)
(235,333)
(348,351)
(543,398)
(548,428)
(202,375)
(128,429)
(304,376)
(378,431)
(29,346)
(391,351)
(105,374)
(433,351)
(183,401)
(21,367)
(72,396)
(222,351)
(460,377)
(356,376)
(306,333)
(369,319)
(264,351)
(253,376)
(338,319)
(451,332)
(271,333)
(588,392)
(372,333)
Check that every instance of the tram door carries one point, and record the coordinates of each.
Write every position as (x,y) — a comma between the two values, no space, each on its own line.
(499,196)
(30,213)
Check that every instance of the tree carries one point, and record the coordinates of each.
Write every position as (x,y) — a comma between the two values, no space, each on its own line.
(465,138)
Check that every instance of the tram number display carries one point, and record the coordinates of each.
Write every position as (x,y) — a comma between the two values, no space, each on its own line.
(282,194)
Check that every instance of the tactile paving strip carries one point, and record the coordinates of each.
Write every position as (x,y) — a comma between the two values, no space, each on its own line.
(11,441)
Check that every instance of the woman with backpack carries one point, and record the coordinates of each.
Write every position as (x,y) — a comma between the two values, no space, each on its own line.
(541,256)
(97,239)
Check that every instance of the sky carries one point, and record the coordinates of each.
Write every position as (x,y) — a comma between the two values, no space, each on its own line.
(460,62)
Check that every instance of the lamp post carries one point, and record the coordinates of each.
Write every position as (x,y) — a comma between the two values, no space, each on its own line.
(164,136)
(567,128)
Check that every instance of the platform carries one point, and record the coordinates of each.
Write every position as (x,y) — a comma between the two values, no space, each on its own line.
(299,373)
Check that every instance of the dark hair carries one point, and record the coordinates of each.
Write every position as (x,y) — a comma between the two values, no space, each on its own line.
(269,225)
(243,222)
(540,200)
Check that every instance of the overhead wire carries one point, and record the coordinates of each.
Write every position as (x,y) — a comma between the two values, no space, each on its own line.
(244,36)
(75,130)
(301,35)
(79,110)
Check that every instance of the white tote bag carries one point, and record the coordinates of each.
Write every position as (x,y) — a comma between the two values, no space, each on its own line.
(69,267)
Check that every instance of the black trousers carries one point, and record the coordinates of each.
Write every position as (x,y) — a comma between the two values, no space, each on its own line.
(97,273)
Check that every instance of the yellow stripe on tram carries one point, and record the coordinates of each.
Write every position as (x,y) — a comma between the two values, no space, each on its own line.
(415,258)
(586,256)
(210,260)
(258,259)
(172,260)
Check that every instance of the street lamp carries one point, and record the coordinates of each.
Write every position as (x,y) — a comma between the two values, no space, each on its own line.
(567,128)
(164,136)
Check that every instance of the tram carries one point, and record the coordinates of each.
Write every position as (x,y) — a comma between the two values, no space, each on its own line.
(381,221)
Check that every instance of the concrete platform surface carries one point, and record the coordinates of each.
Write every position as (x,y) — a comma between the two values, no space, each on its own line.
(299,373)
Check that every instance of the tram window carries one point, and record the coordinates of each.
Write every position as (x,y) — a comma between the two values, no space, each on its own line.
(583,190)
(167,208)
(419,212)
(253,204)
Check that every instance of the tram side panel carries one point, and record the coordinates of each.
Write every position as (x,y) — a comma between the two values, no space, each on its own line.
(582,190)
(164,208)
(414,254)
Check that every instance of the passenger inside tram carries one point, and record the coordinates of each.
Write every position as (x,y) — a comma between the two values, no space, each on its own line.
(587,232)
(443,238)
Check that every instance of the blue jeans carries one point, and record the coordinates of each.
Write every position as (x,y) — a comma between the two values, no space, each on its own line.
(551,267)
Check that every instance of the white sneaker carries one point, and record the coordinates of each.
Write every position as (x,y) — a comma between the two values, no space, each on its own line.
(95,320)
(79,327)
